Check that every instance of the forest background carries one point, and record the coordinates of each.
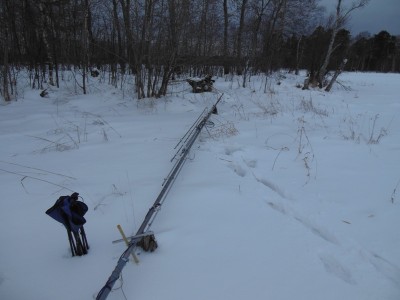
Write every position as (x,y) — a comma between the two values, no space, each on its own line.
(155,41)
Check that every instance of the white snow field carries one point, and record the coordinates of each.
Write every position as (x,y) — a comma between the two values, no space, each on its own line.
(291,194)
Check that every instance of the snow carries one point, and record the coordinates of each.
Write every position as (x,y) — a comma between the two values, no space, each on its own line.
(292,194)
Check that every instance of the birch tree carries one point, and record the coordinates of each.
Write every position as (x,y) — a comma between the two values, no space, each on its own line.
(340,18)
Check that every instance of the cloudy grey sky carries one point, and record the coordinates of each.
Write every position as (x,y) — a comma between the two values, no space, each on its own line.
(378,15)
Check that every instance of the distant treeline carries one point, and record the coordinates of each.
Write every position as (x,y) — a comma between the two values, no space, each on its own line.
(155,39)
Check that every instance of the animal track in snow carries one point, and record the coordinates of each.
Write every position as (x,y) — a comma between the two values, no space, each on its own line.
(241,171)
(388,269)
(238,169)
(272,186)
(333,266)
(250,163)
(229,150)
(278,207)
(320,232)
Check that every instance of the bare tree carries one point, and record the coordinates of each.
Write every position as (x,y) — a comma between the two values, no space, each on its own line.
(302,18)
(171,47)
(152,40)
(44,29)
(126,7)
(239,35)
(340,19)
(273,32)
(5,72)
(258,13)
(226,23)
(5,40)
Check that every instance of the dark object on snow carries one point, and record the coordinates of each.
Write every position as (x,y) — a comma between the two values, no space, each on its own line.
(215,111)
(202,85)
(69,211)
(148,243)
(95,73)
(44,93)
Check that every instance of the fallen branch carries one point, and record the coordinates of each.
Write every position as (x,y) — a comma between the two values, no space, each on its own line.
(19,165)
(394,191)
(35,178)
(335,76)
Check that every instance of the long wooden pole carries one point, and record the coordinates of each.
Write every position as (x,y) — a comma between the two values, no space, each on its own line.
(103,293)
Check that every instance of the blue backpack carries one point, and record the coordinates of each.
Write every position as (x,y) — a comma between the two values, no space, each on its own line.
(69,211)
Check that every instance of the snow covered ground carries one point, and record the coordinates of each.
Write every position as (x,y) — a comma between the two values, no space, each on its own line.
(291,194)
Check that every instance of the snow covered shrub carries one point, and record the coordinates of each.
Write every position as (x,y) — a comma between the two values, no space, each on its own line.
(374,138)
(269,88)
(269,108)
(308,106)
(240,113)
(352,131)
(305,149)
(226,129)
(356,133)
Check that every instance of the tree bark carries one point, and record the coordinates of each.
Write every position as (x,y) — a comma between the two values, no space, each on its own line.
(117,26)
(225,50)
(239,38)
(322,71)
(169,65)
(340,19)
(335,76)
(44,22)
(298,55)
(133,62)
(6,93)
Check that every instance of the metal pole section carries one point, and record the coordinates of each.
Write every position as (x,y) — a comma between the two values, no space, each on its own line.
(103,293)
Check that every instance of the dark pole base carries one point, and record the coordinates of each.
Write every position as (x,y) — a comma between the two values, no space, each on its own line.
(78,242)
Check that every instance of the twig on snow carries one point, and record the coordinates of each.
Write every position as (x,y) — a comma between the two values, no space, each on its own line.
(37,169)
(35,178)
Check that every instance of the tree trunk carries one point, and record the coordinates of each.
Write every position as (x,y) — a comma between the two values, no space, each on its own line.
(6,93)
(225,50)
(340,19)
(260,12)
(169,66)
(298,55)
(85,47)
(239,38)
(323,70)
(134,63)
(44,22)
(269,35)
(119,38)
(335,76)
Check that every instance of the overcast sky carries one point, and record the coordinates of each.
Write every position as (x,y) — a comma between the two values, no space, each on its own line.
(378,15)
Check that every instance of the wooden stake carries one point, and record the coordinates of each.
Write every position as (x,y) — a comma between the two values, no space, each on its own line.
(135,258)
(134,236)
